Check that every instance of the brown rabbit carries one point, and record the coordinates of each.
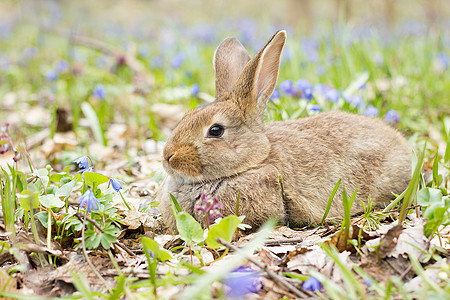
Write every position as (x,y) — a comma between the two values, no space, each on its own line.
(225,149)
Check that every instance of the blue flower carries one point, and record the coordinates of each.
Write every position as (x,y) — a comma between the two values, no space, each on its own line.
(356,100)
(442,60)
(371,111)
(62,66)
(312,284)
(115,184)
(287,87)
(392,117)
(156,61)
(177,60)
(332,95)
(367,282)
(242,281)
(82,162)
(51,75)
(89,200)
(305,88)
(99,92)
(275,95)
(320,89)
(315,107)
(195,89)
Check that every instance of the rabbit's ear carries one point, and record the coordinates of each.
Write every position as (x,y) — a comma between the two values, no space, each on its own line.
(259,77)
(229,60)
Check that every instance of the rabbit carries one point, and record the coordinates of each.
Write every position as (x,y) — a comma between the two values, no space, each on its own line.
(225,149)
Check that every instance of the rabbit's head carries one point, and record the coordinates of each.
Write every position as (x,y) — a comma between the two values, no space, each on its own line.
(226,137)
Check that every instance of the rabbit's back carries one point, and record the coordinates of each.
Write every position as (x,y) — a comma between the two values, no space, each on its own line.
(313,153)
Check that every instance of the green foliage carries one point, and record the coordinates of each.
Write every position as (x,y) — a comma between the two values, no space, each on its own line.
(190,230)
(225,229)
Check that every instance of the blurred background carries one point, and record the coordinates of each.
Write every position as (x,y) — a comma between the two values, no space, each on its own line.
(102,69)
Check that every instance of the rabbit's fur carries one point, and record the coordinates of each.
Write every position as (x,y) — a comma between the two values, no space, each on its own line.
(309,154)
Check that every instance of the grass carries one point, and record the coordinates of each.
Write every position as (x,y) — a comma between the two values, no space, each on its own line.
(390,73)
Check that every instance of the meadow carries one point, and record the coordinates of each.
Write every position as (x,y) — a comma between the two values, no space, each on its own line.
(86,110)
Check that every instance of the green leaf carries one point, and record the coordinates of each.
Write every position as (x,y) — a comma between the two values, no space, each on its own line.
(66,189)
(50,201)
(175,203)
(428,195)
(43,218)
(56,177)
(42,172)
(28,200)
(189,229)
(91,115)
(92,177)
(160,253)
(225,229)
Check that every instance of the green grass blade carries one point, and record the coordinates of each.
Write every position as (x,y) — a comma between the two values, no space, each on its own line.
(96,127)
(412,187)
(330,200)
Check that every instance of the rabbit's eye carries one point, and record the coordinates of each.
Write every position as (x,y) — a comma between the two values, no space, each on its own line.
(216,131)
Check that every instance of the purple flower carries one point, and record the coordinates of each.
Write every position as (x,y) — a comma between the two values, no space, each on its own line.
(62,66)
(356,100)
(367,282)
(320,89)
(211,207)
(89,200)
(242,281)
(195,89)
(302,85)
(312,284)
(51,75)
(371,111)
(332,95)
(156,62)
(115,184)
(441,61)
(392,117)
(177,60)
(99,92)
(287,87)
(315,107)
(275,95)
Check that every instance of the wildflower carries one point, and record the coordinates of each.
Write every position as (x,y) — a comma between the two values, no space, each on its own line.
(242,281)
(332,95)
(315,107)
(62,66)
(320,89)
(99,92)
(156,61)
(443,59)
(367,282)
(275,95)
(287,87)
(371,111)
(89,200)
(392,117)
(210,207)
(177,60)
(195,89)
(312,284)
(115,184)
(306,88)
(356,100)
(51,75)
(82,162)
